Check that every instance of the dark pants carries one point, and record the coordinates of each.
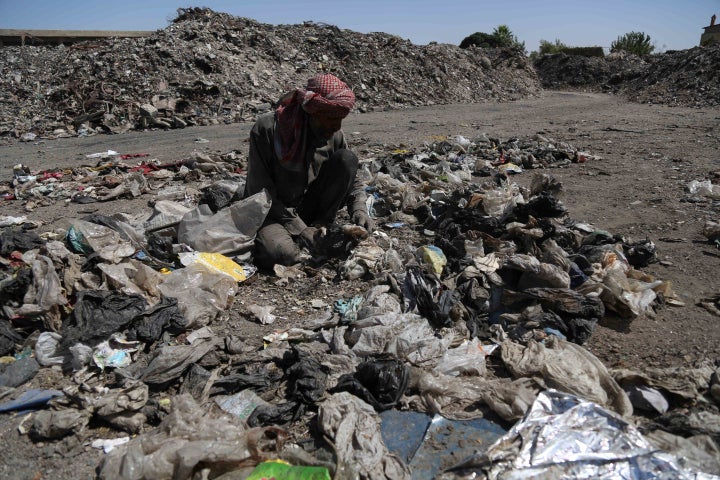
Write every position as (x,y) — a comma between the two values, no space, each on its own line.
(322,200)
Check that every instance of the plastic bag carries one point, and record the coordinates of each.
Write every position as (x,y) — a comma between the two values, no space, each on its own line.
(87,237)
(406,335)
(466,359)
(354,428)
(501,200)
(47,349)
(705,188)
(133,277)
(434,257)
(567,367)
(231,230)
(189,439)
(201,293)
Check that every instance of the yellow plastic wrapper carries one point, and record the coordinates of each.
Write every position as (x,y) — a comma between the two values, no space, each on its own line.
(215,261)
(434,257)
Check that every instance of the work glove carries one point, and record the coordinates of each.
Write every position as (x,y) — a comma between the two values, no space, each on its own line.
(362,219)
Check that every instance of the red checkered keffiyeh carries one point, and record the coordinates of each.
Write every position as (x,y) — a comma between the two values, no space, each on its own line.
(326,95)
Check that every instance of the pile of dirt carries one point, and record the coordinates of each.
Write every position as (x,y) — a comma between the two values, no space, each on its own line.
(559,70)
(682,77)
(209,67)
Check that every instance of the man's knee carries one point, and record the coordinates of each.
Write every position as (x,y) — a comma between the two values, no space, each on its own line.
(273,244)
(345,163)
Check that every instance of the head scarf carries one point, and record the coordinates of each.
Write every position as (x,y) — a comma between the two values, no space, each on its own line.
(325,95)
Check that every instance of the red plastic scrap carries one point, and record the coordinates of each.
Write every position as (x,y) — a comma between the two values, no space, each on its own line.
(145,168)
(47,175)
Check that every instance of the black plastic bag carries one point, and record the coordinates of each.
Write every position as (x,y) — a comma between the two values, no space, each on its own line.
(307,378)
(98,314)
(12,239)
(380,382)
(432,301)
(149,325)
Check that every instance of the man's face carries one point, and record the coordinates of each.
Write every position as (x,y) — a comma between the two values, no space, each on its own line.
(324,127)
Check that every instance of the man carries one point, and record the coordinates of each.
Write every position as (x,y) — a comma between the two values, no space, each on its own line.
(299,154)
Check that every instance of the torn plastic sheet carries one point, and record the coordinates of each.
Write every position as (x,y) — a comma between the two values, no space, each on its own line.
(566,366)
(88,237)
(188,440)
(231,230)
(30,400)
(170,362)
(468,358)
(431,444)
(406,335)
(564,437)
(201,293)
(98,314)
(461,398)
(109,444)
(684,382)
(353,427)
(52,424)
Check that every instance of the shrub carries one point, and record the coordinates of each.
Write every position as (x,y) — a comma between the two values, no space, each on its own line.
(633,42)
(549,47)
(502,37)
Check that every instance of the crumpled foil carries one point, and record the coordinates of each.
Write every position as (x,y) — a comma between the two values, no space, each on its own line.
(565,437)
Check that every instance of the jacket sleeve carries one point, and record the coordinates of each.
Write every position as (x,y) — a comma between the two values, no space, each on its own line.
(260,176)
(357,198)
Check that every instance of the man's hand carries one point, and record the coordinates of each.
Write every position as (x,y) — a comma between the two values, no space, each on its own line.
(310,236)
(362,219)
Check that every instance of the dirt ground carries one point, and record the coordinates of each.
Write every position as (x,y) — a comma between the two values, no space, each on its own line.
(637,188)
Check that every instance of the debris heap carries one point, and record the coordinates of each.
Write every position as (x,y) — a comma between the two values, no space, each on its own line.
(678,77)
(209,67)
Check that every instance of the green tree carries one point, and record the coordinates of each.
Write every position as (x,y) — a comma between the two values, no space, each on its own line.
(549,47)
(479,39)
(633,42)
(502,37)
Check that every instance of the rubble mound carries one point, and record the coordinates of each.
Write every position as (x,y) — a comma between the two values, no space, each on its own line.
(684,77)
(680,77)
(561,70)
(209,67)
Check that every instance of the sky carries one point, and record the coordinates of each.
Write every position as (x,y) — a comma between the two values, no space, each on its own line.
(671,24)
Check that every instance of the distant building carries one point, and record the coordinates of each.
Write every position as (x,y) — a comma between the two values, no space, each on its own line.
(712,33)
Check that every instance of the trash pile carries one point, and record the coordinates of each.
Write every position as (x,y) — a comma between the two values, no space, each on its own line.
(475,295)
(677,77)
(209,67)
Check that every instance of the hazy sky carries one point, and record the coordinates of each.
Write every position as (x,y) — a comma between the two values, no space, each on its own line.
(671,24)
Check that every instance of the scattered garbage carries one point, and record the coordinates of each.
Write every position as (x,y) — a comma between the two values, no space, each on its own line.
(429,339)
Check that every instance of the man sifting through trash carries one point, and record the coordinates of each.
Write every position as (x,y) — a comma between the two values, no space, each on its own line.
(299,154)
